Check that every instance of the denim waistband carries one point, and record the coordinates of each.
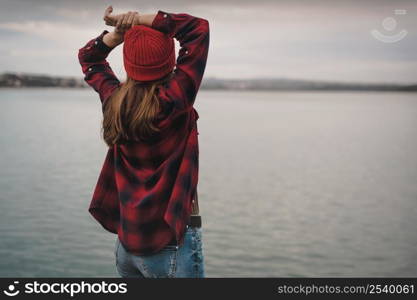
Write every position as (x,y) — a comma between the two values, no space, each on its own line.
(195,221)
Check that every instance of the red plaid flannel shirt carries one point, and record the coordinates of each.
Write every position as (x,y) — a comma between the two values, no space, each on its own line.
(144,190)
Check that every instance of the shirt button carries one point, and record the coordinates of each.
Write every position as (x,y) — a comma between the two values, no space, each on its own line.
(90,69)
(96,42)
(165,15)
(186,52)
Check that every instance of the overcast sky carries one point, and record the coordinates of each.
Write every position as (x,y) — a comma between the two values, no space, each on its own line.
(305,39)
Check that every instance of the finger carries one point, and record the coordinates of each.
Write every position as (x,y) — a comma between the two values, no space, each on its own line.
(109,18)
(125,19)
(115,18)
(136,19)
(119,22)
(108,11)
(109,21)
(130,19)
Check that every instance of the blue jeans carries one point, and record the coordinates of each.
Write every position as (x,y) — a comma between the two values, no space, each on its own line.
(172,261)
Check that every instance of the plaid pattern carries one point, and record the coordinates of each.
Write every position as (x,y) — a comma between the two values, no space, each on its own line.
(144,190)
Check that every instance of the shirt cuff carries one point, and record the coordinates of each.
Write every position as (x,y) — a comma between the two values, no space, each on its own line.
(162,22)
(100,45)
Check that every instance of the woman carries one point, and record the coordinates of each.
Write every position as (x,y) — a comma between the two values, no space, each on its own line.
(147,189)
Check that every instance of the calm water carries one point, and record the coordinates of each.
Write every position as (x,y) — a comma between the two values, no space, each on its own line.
(291,184)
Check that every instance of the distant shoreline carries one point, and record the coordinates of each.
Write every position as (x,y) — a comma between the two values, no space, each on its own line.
(25,80)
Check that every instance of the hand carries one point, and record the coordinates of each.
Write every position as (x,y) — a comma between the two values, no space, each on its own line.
(112,20)
(125,22)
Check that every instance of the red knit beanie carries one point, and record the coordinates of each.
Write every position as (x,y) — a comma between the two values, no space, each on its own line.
(148,54)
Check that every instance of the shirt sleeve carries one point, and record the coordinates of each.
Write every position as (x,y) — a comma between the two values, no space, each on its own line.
(97,71)
(193,35)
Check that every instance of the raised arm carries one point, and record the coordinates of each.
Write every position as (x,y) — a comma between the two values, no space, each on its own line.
(193,35)
(92,57)
(97,71)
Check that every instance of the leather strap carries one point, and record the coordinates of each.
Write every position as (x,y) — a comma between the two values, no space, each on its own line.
(195,210)
(195,221)
(195,218)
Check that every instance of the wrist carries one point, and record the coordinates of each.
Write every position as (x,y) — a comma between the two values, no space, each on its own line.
(113,39)
(144,19)
(137,19)
(117,36)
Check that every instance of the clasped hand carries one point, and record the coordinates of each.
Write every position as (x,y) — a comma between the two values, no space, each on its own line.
(121,22)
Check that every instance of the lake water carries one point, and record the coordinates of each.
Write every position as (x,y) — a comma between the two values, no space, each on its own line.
(291,184)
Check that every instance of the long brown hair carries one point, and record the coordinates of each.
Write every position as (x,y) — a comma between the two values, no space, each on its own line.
(130,111)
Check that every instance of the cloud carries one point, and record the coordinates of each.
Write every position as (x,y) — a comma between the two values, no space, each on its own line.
(314,39)
(54,31)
